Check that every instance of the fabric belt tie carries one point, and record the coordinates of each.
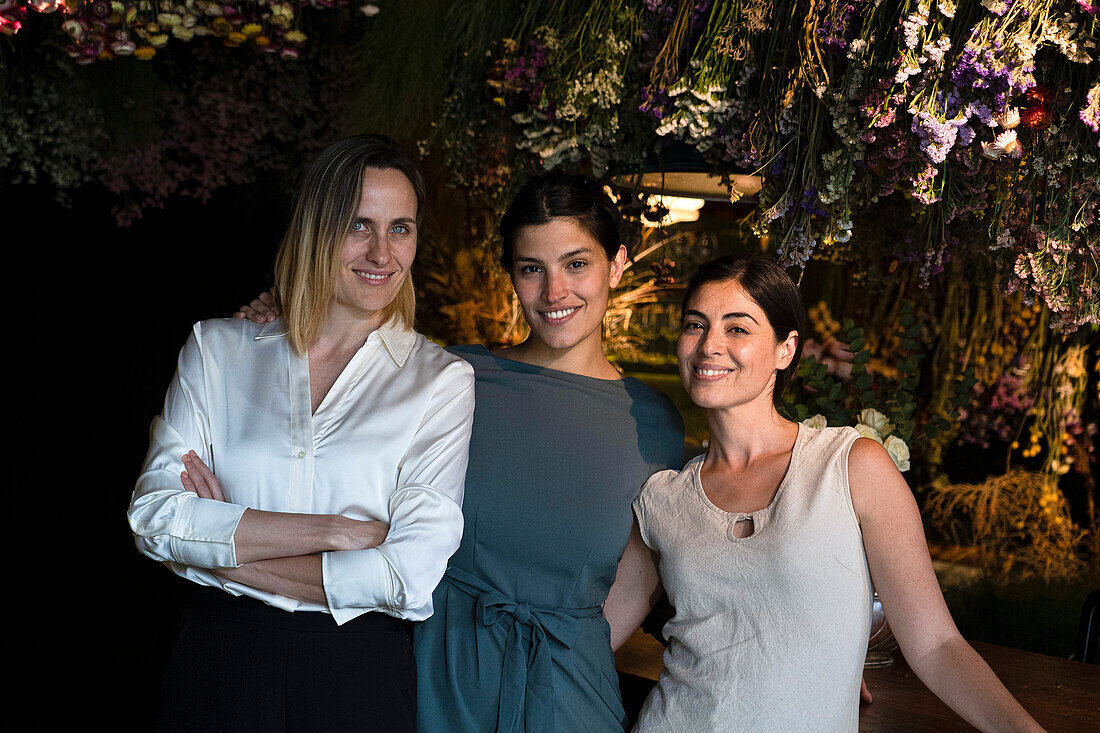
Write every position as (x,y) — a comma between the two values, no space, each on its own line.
(527,700)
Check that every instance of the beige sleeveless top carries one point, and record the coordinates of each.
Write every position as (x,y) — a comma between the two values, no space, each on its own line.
(770,630)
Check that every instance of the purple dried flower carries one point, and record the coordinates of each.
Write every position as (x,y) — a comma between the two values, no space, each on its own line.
(937,136)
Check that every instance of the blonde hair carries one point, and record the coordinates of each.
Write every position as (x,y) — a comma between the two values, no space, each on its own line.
(308,261)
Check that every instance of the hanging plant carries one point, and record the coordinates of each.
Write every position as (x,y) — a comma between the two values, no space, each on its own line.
(101,30)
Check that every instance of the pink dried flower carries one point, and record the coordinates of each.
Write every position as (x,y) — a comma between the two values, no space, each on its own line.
(1090,113)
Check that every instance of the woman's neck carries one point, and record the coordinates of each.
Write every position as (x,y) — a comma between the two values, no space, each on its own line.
(740,434)
(344,331)
(586,358)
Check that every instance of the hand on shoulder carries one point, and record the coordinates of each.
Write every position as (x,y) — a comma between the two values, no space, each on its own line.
(264,309)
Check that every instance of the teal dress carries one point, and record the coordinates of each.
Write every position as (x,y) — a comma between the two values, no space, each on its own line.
(518,641)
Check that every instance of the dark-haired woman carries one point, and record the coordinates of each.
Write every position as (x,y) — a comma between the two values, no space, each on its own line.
(561,446)
(520,638)
(771,544)
(339,439)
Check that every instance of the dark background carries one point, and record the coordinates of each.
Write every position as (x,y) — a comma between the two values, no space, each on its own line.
(107,311)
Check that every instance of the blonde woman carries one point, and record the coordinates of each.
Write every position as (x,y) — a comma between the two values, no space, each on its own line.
(308,473)
(522,636)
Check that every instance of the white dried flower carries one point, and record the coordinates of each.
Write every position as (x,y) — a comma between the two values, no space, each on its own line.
(1007,141)
(898,451)
(1009,118)
(874,419)
(1004,144)
(817,422)
(866,431)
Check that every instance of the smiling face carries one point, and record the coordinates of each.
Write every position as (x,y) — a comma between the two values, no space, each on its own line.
(563,279)
(379,249)
(727,349)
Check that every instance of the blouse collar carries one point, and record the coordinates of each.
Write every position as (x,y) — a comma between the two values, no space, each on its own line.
(398,339)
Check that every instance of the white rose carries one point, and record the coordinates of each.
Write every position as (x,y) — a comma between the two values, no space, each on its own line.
(899,451)
(817,422)
(866,431)
(872,418)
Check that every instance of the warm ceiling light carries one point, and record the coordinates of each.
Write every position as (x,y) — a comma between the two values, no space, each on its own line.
(694,184)
(680,209)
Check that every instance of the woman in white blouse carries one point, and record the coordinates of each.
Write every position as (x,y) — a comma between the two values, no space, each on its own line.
(339,441)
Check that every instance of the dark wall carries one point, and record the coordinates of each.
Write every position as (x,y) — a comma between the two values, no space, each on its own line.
(107,310)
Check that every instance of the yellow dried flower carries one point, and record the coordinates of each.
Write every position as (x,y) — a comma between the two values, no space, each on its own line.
(144,53)
(221,27)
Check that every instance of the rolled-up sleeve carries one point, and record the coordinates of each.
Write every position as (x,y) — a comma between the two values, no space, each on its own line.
(400,575)
(171,524)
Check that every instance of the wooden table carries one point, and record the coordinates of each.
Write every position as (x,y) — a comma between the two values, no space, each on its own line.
(1060,694)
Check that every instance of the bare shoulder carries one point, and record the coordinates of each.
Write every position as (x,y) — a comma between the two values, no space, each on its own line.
(868,456)
(873,479)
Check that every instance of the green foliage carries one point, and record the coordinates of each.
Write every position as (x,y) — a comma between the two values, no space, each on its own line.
(816,391)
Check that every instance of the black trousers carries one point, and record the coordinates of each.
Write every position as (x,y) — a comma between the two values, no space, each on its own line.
(241,665)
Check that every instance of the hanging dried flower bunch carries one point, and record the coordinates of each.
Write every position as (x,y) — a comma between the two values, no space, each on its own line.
(102,30)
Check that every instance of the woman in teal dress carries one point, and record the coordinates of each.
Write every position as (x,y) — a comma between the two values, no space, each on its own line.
(561,445)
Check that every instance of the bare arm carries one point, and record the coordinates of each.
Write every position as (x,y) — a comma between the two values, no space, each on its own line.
(897,555)
(299,577)
(263,535)
(637,587)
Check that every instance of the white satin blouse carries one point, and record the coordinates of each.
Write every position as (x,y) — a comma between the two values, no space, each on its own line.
(389,442)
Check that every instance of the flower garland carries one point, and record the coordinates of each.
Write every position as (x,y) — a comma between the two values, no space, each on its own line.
(191,123)
(982,116)
(108,29)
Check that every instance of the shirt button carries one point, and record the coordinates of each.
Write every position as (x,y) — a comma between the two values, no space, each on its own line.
(301,454)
